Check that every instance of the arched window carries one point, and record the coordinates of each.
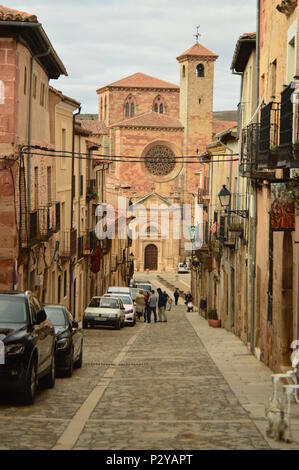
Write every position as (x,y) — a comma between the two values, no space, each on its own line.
(2,92)
(105,110)
(130,107)
(159,106)
(184,71)
(200,70)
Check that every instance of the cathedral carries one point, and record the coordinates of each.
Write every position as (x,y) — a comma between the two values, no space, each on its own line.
(160,126)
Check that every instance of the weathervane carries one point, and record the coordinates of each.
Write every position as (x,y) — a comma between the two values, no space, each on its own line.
(197,35)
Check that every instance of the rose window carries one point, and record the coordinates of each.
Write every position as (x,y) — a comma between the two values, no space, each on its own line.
(160,160)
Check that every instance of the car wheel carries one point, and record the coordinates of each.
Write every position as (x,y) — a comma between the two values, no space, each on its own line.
(30,387)
(49,380)
(118,325)
(69,371)
(79,362)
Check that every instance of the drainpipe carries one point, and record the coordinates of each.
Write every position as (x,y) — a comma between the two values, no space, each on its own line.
(72,211)
(29,139)
(253,259)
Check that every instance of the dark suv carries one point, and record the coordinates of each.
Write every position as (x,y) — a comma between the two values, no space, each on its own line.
(27,345)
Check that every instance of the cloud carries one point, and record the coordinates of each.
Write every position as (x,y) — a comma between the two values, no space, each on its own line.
(101,41)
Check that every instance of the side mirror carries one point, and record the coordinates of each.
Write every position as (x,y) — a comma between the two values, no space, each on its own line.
(75,324)
(41,316)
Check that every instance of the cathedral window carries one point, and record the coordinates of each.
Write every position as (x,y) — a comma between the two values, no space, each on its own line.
(130,107)
(160,160)
(200,71)
(158,105)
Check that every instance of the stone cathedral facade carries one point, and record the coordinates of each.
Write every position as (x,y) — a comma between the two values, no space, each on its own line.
(160,123)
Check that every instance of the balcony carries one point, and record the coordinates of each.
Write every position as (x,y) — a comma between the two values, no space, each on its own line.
(68,244)
(89,243)
(288,133)
(80,247)
(46,223)
(267,155)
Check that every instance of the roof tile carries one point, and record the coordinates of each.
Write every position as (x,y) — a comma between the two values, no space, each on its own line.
(141,80)
(198,50)
(8,14)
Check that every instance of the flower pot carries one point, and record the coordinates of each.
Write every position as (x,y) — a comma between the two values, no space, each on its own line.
(214,323)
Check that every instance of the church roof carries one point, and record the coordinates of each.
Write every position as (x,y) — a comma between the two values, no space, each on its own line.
(8,14)
(141,80)
(151,119)
(96,127)
(198,51)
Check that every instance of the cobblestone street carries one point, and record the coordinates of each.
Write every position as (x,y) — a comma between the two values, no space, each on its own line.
(154,386)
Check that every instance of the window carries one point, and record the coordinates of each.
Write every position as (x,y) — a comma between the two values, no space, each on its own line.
(34,86)
(159,106)
(65,283)
(184,71)
(273,78)
(127,110)
(105,111)
(59,290)
(200,70)
(130,107)
(291,60)
(42,94)
(25,81)
(101,109)
(63,148)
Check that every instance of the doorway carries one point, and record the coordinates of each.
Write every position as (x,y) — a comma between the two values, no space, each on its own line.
(286,322)
(151,258)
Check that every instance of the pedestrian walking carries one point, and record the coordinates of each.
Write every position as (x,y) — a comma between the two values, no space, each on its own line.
(189,302)
(152,307)
(176,296)
(169,302)
(146,308)
(162,301)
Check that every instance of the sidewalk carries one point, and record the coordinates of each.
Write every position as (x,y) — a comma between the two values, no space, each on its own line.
(248,378)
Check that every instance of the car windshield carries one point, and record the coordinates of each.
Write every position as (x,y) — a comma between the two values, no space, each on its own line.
(103,303)
(12,309)
(56,316)
(145,287)
(125,299)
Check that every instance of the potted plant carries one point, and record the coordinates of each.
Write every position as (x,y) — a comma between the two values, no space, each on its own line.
(296,150)
(213,319)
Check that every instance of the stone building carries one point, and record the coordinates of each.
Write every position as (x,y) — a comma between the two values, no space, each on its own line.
(160,124)
(27,180)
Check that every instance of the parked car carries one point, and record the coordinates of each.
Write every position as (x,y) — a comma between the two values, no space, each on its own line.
(118,290)
(29,345)
(130,313)
(183,268)
(108,311)
(144,286)
(69,351)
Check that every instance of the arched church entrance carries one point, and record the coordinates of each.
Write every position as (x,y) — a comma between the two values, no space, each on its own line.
(286,321)
(151,258)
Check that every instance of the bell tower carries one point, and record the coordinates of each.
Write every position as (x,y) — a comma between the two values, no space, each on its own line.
(196,103)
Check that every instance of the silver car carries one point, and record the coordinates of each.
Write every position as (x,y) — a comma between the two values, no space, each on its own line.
(107,311)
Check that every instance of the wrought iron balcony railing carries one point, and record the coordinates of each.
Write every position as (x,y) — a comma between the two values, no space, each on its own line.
(68,243)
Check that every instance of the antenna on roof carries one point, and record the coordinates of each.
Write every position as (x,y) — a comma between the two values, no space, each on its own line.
(197,35)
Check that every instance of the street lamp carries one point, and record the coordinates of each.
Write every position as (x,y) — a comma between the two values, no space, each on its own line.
(225,201)
(225,197)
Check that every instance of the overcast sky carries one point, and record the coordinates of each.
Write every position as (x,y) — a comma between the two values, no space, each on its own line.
(101,41)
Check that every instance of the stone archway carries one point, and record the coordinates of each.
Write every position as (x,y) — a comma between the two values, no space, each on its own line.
(286,321)
(151,258)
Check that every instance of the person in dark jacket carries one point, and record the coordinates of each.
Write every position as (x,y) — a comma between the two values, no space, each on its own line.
(176,296)
(189,302)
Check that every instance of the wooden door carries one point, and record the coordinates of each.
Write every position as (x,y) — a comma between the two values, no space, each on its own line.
(151,258)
